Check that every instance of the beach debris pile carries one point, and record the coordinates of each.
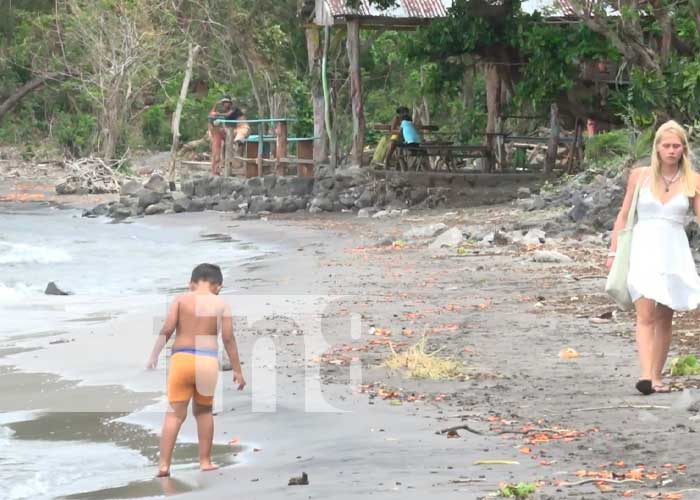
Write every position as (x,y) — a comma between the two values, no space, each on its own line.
(91,176)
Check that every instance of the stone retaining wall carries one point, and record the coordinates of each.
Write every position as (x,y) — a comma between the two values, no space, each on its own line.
(345,189)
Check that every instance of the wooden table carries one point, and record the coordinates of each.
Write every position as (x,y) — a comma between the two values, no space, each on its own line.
(438,156)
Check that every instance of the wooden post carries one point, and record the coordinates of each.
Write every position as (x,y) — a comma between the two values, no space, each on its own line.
(493,106)
(172,170)
(358,114)
(281,132)
(229,151)
(553,145)
(315,55)
(261,145)
(331,129)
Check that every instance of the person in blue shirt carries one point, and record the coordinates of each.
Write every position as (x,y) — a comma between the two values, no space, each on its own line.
(403,131)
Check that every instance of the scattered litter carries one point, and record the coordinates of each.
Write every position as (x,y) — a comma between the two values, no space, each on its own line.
(302,480)
(568,353)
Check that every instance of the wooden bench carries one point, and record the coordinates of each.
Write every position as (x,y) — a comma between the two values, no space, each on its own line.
(250,158)
(438,156)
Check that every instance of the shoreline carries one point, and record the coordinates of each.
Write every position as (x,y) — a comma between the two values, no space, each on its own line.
(502,315)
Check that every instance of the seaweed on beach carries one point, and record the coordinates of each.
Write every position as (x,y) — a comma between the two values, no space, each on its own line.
(418,363)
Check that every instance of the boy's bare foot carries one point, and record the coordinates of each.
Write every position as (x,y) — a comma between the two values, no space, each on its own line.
(207,466)
(163,472)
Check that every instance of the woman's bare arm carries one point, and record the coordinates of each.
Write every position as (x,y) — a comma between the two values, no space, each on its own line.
(621,220)
(696,198)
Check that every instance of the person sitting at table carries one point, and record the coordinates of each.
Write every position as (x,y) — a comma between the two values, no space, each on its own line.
(225,110)
(403,132)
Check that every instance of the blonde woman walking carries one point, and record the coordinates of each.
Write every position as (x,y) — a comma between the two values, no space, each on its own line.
(662,275)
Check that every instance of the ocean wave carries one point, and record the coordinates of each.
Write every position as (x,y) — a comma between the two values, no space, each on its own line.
(15,293)
(22,253)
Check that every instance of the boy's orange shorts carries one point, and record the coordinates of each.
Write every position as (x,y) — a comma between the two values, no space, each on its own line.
(193,374)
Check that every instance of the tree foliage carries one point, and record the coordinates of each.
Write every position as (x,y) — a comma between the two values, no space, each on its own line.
(108,72)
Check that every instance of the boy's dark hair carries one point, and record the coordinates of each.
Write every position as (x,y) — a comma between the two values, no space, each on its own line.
(402,110)
(209,273)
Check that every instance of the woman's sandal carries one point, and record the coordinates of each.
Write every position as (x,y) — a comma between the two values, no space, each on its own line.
(645,387)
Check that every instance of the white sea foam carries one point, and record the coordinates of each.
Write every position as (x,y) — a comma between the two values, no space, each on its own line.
(63,468)
(23,253)
(15,293)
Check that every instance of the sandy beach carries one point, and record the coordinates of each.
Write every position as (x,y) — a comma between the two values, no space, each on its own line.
(321,302)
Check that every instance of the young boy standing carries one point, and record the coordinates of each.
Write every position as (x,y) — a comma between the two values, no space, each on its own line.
(197,316)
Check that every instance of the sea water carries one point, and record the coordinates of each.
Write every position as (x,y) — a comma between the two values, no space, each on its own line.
(105,266)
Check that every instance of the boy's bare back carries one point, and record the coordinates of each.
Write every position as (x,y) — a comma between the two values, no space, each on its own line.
(198,317)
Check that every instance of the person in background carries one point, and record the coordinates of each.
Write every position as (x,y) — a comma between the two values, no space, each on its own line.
(403,131)
(224,110)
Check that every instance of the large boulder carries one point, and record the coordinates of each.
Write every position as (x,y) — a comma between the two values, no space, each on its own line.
(187,187)
(196,205)
(259,204)
(201,186)
(551,257)
(578,211)
(366,199)
(230,185)
(421,232)
(226,205)
(130,187)
(98,211)
(350,177)
(181,202)
(214,186)
(322,203)
(256,186)
(157,183)
(119,211)
(301,186)
(157,208)
(450,238)
(269,182)
(147,197)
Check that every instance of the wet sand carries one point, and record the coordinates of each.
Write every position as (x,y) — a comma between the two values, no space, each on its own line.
(505,317)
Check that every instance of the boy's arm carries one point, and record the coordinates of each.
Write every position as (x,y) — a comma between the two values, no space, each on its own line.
(229,342)
(165,333)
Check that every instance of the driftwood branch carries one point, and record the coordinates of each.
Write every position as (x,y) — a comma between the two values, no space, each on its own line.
(624,407)
(601,480)
(21,92)
(91,176)
(459,428)
(192,53)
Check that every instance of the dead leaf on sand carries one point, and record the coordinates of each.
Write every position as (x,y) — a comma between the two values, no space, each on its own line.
(568,353)
(604,488)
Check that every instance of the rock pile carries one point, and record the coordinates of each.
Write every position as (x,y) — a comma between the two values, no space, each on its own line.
(592,202)
(347,188)
(224,194)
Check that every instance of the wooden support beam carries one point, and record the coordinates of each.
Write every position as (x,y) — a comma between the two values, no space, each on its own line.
(315,55)
(358,114)
(261,147)
(281,131)
(553,144)
(228,151)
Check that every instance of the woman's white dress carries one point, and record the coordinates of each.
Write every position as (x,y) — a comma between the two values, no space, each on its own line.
(661,263)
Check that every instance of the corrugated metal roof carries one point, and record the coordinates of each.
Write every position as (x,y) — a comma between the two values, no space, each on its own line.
(416,9)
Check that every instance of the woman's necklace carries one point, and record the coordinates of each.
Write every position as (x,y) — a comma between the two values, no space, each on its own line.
(668,182)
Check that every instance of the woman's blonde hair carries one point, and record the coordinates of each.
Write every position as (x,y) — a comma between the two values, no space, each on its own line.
(686,170)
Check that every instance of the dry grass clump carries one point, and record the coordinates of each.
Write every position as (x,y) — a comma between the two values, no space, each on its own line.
(418,363)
